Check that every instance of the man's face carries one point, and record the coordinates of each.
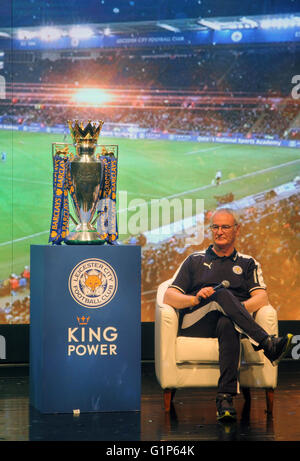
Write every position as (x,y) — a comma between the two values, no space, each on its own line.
(224,237)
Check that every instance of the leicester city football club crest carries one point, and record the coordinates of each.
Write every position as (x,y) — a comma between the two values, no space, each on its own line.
(93,283)
(237,270)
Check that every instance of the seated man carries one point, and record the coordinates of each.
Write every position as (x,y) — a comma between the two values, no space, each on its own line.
(209,309)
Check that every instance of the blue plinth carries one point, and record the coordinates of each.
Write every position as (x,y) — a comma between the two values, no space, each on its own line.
(85,325)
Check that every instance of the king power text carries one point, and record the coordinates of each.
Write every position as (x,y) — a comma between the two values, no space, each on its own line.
(85,341)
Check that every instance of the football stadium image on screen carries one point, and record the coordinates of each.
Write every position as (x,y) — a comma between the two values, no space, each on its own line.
(208,119)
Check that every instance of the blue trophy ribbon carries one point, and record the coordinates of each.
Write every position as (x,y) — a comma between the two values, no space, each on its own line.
(107,222)
(59,228)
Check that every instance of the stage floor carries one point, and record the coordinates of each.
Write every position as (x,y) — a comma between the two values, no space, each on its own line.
(193,417)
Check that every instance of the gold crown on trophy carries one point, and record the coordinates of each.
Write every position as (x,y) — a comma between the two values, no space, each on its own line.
(81,134)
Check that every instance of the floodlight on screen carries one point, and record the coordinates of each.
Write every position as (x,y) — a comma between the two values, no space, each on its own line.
(26,34)
(280,23)
(50,34)
(92,96)
(81,32)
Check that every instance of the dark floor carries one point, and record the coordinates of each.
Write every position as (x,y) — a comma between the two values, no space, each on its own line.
(193,417)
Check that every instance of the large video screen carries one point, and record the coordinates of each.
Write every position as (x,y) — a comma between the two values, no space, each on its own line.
(181,109)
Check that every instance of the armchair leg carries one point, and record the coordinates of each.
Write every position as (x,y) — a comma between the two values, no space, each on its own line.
(168,397)
(247,394)
(247,404)
(269,401)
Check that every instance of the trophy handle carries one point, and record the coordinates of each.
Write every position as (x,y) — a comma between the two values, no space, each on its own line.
(73,219)
(96,218)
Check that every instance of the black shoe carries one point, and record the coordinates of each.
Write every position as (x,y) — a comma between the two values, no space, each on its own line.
(225,408)
(275,349)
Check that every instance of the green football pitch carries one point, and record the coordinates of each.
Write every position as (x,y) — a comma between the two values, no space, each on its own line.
(147,169)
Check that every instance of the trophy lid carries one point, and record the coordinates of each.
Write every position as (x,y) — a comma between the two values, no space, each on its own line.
(85,135)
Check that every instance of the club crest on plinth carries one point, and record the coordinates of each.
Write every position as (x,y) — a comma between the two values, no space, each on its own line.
(93,283)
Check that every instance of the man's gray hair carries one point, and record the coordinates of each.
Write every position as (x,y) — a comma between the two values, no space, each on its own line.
(229,211)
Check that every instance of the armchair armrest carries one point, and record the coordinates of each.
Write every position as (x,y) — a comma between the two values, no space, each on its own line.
(266,375)
(166,317)
(166,328)
(267,318)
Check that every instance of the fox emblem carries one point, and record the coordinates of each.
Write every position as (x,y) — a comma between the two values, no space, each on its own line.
(92,282)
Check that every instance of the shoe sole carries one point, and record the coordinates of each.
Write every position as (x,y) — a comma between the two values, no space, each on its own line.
(226,416)
(285,351)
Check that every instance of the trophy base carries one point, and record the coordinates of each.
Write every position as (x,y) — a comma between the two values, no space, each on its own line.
(84,238)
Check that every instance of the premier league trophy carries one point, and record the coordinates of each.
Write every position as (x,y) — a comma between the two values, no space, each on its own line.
(89,177)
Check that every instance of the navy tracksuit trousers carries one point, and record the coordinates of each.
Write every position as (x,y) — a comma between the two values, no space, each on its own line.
(220,323)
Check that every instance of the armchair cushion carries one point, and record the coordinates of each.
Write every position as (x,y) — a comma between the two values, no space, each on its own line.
(199,350)
(206,350)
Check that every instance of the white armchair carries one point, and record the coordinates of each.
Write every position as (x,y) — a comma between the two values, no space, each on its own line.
(194,362)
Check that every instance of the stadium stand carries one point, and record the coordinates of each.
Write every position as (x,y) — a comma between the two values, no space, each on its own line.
(206,91)
(278,221)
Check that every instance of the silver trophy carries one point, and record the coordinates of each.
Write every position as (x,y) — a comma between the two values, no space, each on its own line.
(86,175)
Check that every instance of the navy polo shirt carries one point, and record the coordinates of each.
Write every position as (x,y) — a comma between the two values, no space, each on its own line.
(206,268)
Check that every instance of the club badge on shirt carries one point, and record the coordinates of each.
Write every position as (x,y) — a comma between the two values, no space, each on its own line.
(237,270)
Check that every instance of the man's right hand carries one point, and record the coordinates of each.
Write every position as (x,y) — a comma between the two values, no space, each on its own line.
(205,292)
